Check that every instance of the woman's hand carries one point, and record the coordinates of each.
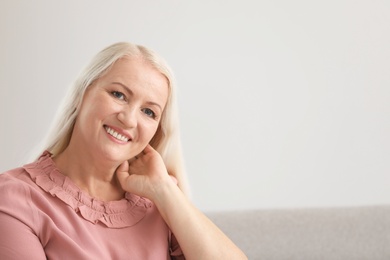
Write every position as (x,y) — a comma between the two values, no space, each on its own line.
(198,237)
(145,174)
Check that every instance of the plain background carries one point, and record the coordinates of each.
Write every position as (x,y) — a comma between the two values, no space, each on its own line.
(282,103)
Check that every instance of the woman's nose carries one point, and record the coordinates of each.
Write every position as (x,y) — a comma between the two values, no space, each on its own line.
(128,117)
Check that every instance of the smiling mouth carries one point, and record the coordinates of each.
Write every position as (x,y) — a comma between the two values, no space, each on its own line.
(116,135)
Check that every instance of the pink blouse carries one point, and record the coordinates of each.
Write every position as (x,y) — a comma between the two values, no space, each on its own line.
(44,215)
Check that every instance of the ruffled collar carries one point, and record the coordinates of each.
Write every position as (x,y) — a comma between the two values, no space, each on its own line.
(114,214)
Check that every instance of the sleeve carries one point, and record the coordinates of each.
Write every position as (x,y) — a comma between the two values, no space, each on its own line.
(175,250)
(18,239)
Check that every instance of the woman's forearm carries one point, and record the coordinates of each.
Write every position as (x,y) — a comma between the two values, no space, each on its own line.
(198,237)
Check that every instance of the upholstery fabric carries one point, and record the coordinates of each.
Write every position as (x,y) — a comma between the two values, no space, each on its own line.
(313,233)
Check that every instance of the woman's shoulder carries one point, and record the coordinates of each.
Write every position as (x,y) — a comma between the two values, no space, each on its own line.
(19,191)
(14,180)
(23,180)
(16,190)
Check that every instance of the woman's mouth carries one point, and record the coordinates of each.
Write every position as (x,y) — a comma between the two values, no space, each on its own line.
(116,135)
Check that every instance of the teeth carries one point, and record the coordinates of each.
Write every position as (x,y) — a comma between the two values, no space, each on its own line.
(116,134)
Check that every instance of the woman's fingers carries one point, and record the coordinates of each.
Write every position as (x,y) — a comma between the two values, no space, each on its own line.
(122,173)
(143,173)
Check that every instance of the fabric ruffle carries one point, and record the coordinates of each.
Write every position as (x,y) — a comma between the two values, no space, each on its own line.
(114,214)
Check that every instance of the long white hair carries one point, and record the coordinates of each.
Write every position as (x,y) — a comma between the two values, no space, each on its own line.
(167,138)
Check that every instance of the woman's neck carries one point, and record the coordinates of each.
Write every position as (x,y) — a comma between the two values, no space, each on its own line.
(96,177)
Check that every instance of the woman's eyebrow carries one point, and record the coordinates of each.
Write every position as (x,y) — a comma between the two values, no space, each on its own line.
(124,86)
(154,104)
(130,92)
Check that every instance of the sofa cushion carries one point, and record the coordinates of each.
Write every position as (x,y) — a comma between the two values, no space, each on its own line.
(312,233)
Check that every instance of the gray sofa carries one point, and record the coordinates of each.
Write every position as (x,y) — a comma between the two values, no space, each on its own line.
(358,233)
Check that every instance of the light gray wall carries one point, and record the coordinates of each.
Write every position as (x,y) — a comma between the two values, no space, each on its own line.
(282,103)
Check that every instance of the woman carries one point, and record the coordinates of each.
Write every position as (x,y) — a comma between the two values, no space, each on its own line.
(110,182)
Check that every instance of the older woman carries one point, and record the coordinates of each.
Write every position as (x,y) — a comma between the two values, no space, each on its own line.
(110,183)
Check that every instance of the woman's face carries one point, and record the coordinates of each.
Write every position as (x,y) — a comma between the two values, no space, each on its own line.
(121,111)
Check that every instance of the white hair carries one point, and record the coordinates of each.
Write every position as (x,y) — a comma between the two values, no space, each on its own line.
(167,137)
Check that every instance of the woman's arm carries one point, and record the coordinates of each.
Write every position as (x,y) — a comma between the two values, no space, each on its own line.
(198,237)
(17,241)
(17,237)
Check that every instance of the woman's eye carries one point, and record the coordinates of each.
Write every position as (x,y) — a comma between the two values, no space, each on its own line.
(149,112)
(118,95)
